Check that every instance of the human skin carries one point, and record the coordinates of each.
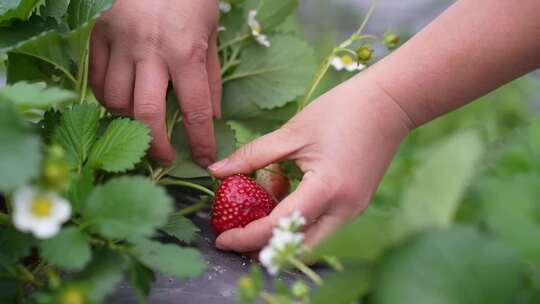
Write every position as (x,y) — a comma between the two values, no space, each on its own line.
(138,46)
(345,140)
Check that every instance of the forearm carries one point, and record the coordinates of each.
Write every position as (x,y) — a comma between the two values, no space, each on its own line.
(471,49)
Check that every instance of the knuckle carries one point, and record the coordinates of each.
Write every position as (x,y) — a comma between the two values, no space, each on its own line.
(194,52)
(147,110)
(197,117)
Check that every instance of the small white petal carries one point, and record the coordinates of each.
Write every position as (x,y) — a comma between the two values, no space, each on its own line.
(252,21)
(224,6)
(61,211)
(351,67)
(337,63)
(361,67)
(221,28)
(45,229)
(262,39)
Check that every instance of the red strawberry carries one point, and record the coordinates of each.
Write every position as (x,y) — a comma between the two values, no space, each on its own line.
(273,179)
(239,201)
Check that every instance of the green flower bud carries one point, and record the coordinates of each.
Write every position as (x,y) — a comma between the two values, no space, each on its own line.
(72,296)
(300,289)
(364,53)
(391,40)
(247,289)
(56,175)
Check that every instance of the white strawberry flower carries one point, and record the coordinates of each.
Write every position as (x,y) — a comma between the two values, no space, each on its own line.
(346,61)
(284,244)
(256,29)
(224,7)
(292,223)
(41,213)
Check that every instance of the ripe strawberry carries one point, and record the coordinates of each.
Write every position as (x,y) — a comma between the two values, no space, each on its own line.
(273,179)
(239,201)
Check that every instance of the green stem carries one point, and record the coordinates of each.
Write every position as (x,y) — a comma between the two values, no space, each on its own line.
(230,62)
(306,270)
(368,15)
(323,69)
(234,41)
(82,77)
(269,298)
(200,205)
(316,81)
(27,275)
(182,183)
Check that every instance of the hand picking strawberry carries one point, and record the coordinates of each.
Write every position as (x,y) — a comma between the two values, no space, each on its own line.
(344,141)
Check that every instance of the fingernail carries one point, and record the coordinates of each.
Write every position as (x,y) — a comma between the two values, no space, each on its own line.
(220,164)
(204,162)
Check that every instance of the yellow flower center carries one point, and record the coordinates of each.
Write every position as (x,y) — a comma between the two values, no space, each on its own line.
(42,207)
(256,28)
(347,59)
(72,296)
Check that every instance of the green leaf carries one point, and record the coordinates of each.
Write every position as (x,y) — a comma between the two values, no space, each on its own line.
(27,96)
(535,134)
(21,67)
(55,9)
(77,131)
(15,245)
(438,184)
(83,11)
(459,265)
(509,208)
(51,120)
(169,258)
(271,13)
(181,228)
(127,207)
(246,130)
(103,274)
(371,232)
(80,188)
(141,278)
(18,9)
(268,78)
(70,249)
(20,156)
(344,287)
(184,167)
(121,147)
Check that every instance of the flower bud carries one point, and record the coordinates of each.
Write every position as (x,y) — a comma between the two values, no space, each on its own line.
(391,40)
(364,53)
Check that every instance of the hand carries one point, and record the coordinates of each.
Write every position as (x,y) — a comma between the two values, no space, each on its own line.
(137,46)
(343,142)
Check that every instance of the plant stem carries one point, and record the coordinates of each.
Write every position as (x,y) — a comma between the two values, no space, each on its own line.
(82,77)
(27,275)
(234,41)
(368,15)
(200,205)
(316,81)
(306,270)
(269,298)
(323,69)
(230,62)
(182,183)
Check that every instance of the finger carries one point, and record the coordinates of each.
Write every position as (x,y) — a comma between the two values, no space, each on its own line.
(213,69)
(99,59)
(310,199)
(190,81)
(151,82)
(119,83)
(261,152)
(321,229)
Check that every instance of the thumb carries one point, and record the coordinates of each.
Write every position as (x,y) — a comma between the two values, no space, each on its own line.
(261,152)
